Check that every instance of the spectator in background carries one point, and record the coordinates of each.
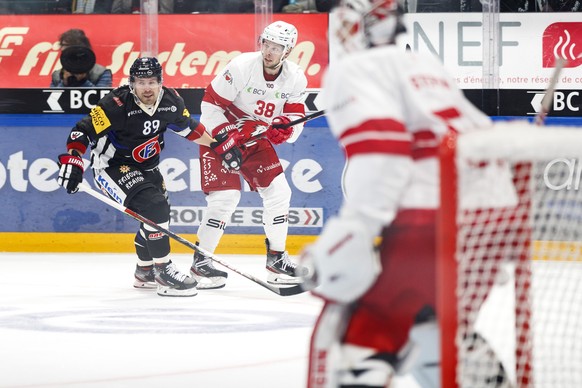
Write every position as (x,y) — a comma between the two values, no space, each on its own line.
(97,76)
(34,7)
(133,6)
(77,61)
(564,5)
(93,6)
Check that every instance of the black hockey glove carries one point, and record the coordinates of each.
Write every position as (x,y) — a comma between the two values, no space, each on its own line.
(226,145)
(71,172)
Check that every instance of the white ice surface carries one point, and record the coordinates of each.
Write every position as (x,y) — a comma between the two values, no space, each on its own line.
(74,320)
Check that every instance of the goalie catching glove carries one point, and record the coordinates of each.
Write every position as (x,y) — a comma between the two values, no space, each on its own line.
(278,133)
(71,171)
(343,260)
(226,145)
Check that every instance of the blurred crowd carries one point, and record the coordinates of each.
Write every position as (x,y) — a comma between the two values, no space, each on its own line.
(164,6)
(279,6)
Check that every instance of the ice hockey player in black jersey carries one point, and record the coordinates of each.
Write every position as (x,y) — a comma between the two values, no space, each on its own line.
(125,132)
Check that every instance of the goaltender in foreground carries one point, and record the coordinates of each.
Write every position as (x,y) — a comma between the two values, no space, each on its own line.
(126,133)
(389,108)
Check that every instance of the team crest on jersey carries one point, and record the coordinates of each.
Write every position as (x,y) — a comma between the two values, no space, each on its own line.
(124,169)
(146,150)
(227,76)
(75,135)
(99,119)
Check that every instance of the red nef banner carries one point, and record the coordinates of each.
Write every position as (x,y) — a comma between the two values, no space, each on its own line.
(192,48)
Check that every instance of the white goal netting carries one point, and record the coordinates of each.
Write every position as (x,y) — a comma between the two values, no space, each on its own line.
(514,228)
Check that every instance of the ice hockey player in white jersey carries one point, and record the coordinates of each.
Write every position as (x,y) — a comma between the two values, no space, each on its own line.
(252,92)
(388,108)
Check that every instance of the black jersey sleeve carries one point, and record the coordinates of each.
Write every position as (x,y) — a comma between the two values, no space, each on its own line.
(184,124)
(106,115)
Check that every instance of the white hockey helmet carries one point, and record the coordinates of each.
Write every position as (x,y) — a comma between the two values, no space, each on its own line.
(281,33)
(360,24)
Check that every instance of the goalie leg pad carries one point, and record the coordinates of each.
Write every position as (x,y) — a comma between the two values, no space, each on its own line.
(365,367)
(480,366)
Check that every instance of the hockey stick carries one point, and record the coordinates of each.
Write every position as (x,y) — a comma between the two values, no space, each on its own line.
(301,120)
(261,129)
(549,95)
(283,291)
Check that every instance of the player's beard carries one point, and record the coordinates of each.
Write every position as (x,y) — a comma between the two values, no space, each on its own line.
(149,98)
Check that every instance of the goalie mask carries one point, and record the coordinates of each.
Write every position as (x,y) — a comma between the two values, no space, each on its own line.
(360,24)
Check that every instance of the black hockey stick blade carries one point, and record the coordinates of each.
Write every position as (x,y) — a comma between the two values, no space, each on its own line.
(283,291)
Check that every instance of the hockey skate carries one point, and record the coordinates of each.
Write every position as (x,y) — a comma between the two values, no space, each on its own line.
(204,272)
(144,277)
(281,270)
(172,282)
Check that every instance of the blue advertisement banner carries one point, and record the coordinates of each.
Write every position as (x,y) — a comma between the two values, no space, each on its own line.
(32,201)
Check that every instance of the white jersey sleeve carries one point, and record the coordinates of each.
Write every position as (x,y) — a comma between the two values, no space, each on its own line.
(389,110)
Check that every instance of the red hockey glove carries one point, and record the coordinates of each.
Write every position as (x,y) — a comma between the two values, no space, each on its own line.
(71,172)
(279,135)
(226,145)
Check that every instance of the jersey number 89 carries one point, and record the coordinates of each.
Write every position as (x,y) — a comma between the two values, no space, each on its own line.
(151,126)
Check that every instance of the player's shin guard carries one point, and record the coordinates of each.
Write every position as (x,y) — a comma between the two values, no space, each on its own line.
(144,269)
(276,199)
(221,205)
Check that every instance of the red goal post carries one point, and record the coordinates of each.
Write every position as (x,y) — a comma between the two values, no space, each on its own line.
(509,272)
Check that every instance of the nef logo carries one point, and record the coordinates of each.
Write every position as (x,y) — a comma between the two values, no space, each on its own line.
(562,40)
(146,150)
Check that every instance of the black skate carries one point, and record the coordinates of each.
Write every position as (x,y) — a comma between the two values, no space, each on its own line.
(172,282)
(206,274)
(144,277)
(281,270)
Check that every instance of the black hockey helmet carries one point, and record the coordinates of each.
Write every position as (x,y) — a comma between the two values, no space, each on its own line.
(145,67)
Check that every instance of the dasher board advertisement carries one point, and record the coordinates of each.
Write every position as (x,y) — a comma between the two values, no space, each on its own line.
(192,48)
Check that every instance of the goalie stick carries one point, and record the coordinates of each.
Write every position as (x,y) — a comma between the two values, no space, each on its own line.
(283,291)
(549,94)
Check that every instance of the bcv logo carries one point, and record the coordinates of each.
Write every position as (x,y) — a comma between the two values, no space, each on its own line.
(146,150)
(562,40)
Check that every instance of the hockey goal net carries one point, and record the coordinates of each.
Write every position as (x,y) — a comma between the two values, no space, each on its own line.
(510,257)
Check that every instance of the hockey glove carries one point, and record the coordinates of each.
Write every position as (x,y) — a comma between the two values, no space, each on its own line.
(276,134)
(252,130)
(343,260)
(71,172)
(226,146)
